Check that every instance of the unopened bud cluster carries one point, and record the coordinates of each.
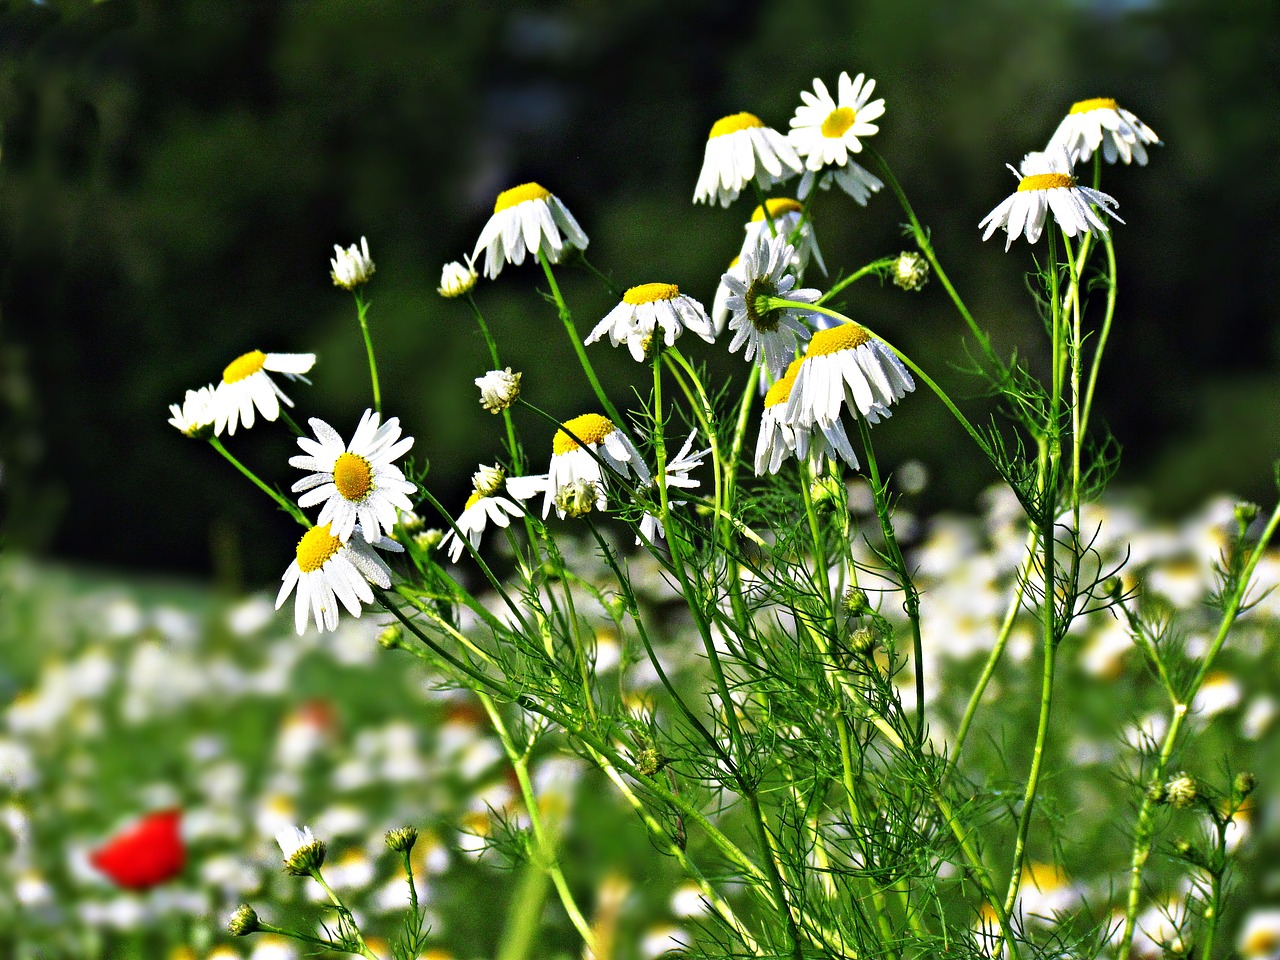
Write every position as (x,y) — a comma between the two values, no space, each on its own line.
(243,922)
(910,271)
(402,839)
(457,279)
(499,389)
(577,499)
(352,267)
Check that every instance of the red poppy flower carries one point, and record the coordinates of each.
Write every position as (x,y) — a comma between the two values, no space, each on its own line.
(148,853)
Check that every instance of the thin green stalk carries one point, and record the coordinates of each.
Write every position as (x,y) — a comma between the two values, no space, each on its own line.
(1105,331)
(1144,830)
(288,506)
(362,310)
(513,447)
(566,317)
(579,651)
(363,948)
(874,267)
(701,407)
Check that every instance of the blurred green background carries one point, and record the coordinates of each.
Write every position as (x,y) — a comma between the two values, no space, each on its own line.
(174,176)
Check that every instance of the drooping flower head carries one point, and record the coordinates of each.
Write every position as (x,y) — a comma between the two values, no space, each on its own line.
(772,332)
(649,310)
(302,851)
(740,149)
(826,130)
(352,267)
(777,440)
(246,386)
(327,571)
(527,219)
(147,853)
(783,217)
(499,389)
(355,481)
(846,366)
(196,415)
(484,506)
(573,463)
(1046,183)
(1101,122)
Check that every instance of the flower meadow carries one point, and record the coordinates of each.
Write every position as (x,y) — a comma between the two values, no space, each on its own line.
(696,678)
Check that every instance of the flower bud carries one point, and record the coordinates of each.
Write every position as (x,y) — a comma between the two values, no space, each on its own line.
(1181,791)
(1246,513)
(457,279)
(499,389)
(488,480)
(352,267)
(649,761)
(402,839)
(863,641)
(428,539)
(243,922)
(1156,793)
(577,499)
(855,602)
(910,271)
(1243,785)
(391,637)
(303,853)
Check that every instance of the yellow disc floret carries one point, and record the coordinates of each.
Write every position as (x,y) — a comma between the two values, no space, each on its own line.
(733,124)
(780,392)
(847,336)
(589,428)
(472,500)
(353,476)
(1046,181)
(316,547)
(245,365)
(838,122)
(649,292)
(777,207)
(1097,103)
(526,191)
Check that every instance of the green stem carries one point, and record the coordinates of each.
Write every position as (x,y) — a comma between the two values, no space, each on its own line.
(288,506)
(874,267)
(362,309)
(513,447)
(566,317)
(363,948)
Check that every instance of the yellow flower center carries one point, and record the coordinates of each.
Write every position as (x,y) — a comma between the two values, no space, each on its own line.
(1097,103)
(472,500)
(838,122)
(245,365)
(353,476)
(526,191)
(649,292)
(316,547)
(589,428)
(1260,943)
(1046,181)
(734,123)
(777,207)
(734,262)
(781,391)
(847,336)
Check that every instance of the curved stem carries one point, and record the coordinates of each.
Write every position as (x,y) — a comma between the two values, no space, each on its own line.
(362,310)
(288,506)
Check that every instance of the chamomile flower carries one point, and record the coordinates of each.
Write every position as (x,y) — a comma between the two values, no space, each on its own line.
(826,130)
(499,389)
(720,304)
(196,415)
(647,309)
(351,267)
(772,332)
(788,220)
(1045,184)
(327,571)
(675,475)
(572,462)
(483,507)
(846,365)
(740,148)
(1101,122)
(527,219)
(245,386)
(457,278)
(355,481)
(777,440)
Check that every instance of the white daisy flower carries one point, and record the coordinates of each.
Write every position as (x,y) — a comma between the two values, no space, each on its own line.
(675,475)
(788,221)
(484,506)
(825,131)
(846,365)
(571,463)
(527,219)
(772,332)
(245,385)
(457,278)
(1101,122)
(326,571)
(720,305)
(777,439)
(648,308)
(1044,184)
(740,148)
(292,839)
(355,481)
(351,267)
(197,413)
(499,389)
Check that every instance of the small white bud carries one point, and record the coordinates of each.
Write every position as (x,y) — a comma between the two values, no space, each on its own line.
(352,267)
(456,279)
(499,389)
